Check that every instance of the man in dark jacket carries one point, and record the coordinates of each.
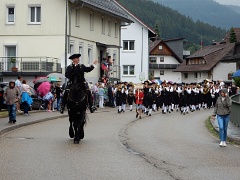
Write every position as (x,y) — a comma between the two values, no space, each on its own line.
(110,95)
(77,69)
(12,96)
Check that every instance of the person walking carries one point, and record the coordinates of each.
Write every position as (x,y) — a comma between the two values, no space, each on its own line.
(26,98)
(101,96)
(11,96)
(18,84)
(222,111)
(110,95)
(58,91)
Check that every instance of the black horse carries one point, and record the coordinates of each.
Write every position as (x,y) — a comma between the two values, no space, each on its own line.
(76,97)
(77,100)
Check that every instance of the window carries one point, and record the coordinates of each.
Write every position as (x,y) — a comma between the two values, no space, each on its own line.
(161,59)
(10,15)
(161,72)
(160,47)
(109,27)
(195,75)
(128,70)
(90,55)
(103,25)
(185,75)
(128,45)
(80,50)
(35,14)
(11,51)
(91,21)
(153,59)
(114,56)
(77,18)
(71,48)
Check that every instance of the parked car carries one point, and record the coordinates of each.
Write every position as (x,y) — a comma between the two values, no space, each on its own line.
(3,86)
(36,105)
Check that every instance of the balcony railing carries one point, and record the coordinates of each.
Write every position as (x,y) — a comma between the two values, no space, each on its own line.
(163,66)
(30,64)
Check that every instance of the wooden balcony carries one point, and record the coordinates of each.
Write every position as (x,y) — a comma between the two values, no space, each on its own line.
(163,66)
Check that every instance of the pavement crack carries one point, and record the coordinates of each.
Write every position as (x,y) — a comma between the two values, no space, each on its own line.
(159,164)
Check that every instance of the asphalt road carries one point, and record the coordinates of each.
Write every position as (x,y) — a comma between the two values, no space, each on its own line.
(119,146)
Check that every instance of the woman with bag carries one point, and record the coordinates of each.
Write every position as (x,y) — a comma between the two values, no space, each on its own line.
(222,110)
(26,97)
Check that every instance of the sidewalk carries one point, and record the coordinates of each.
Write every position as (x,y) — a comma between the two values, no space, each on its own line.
(34,117)
(232,131)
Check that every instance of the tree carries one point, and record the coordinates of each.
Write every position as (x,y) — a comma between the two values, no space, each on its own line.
(158,36)
(233,38)
(237,81)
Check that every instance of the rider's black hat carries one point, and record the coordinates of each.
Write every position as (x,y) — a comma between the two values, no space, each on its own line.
(74,56)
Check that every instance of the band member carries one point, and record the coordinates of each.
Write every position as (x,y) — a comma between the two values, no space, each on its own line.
(130,97)
(139,96)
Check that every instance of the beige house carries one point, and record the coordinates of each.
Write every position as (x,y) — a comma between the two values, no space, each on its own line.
(40,35)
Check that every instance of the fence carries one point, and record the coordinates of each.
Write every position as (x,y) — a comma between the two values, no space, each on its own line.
(235,110)
(30,64)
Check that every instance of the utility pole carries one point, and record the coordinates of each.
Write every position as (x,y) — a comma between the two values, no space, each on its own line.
(66,39)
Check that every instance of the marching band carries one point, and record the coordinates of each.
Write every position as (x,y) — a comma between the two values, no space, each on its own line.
(167,96)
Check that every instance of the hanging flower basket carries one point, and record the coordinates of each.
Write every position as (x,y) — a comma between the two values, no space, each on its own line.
(14,69)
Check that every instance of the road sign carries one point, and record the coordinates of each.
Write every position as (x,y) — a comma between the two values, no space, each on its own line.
(142,76)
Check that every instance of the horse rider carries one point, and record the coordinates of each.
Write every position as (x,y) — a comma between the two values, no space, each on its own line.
(76,68)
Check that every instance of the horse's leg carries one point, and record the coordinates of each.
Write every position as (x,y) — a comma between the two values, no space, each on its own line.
(71,120)
(82,122)
(76,125)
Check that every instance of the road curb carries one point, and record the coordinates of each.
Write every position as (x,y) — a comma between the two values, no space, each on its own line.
(16,126)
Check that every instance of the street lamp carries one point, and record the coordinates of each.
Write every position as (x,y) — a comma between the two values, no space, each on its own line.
(66,39)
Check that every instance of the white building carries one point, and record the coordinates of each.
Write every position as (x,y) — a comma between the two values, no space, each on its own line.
(207,63)
(134,52)
(40,37)
(164,57)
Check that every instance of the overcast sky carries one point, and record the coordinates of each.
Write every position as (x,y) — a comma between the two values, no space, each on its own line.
(229,2)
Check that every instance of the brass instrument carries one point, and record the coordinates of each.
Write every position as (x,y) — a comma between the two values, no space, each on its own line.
(205,89)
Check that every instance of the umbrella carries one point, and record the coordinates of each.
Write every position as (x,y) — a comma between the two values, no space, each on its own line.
(236,74)
(54,79)
(44,88)
(58,75)
(40,79)
(157,81)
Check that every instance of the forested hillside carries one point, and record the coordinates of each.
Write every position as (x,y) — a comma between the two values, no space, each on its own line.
(207,11)
(236,9)
(171,23)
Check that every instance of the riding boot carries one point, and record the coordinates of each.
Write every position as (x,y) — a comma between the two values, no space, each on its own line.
(64,100)
(90,101)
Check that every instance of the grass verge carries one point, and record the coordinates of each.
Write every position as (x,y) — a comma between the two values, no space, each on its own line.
(210,127)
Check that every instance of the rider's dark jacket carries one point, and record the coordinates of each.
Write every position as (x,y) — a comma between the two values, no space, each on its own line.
(77,70)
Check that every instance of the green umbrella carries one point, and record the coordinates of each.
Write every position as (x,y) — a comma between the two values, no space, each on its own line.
(54,79)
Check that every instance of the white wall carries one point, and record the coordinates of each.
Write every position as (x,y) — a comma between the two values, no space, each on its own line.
(169,75)
(221,71)
(138,57)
